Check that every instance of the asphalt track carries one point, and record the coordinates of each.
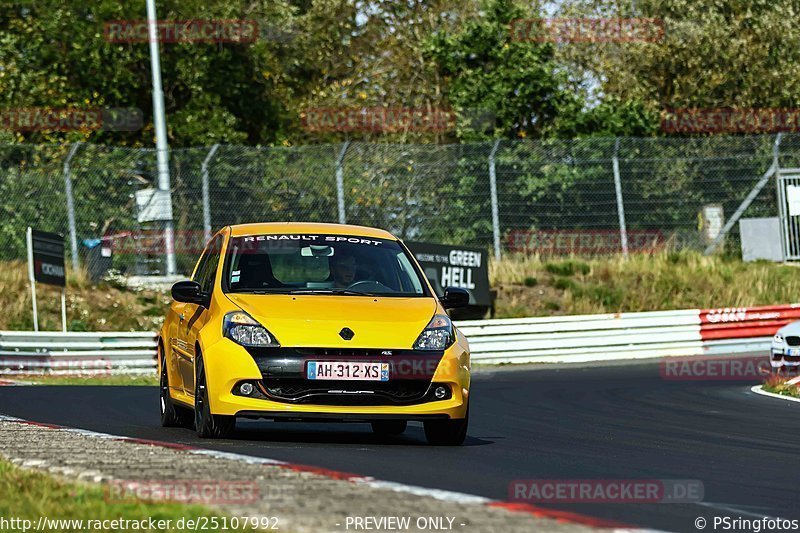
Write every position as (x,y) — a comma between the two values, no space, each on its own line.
(612,422)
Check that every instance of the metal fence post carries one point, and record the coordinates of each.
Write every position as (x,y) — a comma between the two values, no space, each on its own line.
(495,206)
(623,231)
(206,197)
(772,170)
(340,183)
(776,162)
(73,233)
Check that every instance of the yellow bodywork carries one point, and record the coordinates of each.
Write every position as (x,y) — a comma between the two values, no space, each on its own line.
(301,321)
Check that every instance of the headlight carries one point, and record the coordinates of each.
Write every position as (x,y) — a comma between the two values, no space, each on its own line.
(778,338)
(242,329)
(438,334)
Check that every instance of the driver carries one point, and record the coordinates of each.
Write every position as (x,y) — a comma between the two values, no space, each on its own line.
(344,270)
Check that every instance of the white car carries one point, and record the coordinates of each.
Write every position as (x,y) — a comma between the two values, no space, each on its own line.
(785,350)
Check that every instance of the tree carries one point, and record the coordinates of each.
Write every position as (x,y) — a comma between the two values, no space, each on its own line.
(712,54)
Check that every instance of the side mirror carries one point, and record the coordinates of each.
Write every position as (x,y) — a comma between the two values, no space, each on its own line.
(455,298)
(189,292)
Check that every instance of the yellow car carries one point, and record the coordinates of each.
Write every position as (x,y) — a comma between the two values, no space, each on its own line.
(313,322)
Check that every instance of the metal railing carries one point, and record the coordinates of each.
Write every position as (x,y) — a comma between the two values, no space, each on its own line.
(29,353)
(559,339)
(583,196)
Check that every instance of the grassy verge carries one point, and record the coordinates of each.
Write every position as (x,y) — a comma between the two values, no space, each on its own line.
(777,385)
(535,286)
(526,285)
(28,495)
(90,380)
(109,306)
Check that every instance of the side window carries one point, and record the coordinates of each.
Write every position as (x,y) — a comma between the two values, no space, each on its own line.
(201,267)
(207,268)
(408,280)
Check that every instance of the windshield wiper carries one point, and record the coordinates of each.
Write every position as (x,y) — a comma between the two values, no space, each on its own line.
(345,292)
(260,291)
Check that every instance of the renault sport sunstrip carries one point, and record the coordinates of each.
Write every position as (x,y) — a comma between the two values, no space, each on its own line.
(313,322)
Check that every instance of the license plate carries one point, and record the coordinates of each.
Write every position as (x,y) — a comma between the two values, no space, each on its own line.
(348,371)
(792,351)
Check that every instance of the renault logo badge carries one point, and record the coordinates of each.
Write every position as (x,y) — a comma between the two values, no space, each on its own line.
(347,334)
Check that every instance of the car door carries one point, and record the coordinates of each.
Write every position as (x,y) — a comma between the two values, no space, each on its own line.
(195,316)
(179,333)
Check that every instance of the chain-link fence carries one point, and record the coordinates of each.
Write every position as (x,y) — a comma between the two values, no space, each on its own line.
(585,196)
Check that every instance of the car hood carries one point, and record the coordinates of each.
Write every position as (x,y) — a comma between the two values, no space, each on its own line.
(315,321)
(790,329)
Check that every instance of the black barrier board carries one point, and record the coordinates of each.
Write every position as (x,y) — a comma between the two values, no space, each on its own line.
(48,258)
(448,265)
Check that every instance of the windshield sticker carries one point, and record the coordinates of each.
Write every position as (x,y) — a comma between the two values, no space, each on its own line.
(326,238)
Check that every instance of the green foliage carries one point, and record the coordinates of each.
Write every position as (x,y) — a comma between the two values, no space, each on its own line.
(433,54)
(530,281)
(30,494)
(565,284)
(517,81)
(713,54)
(55,54)
(569,267)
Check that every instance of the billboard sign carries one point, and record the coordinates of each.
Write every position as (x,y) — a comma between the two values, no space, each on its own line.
(455,266)
(48,258)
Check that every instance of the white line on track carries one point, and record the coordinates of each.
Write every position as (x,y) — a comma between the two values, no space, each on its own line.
(732,509)
(758,390)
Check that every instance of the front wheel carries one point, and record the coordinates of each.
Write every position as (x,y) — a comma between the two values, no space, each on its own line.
(447,432)
(208,426)
(171,415)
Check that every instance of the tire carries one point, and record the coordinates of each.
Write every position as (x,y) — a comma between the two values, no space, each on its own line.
(389,427)
(208,426)
(172,416)
(447,432)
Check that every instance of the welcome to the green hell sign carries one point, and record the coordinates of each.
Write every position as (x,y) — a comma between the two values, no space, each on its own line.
(455,266)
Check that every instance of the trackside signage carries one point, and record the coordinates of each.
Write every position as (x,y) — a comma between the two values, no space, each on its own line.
(48,258)
(455,266)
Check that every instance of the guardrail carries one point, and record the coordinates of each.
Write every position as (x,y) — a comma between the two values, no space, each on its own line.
(586,338)
(30,353)
(558,339)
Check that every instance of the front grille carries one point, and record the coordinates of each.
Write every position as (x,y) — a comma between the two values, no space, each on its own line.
(322,392)
(793,341)
(283,353)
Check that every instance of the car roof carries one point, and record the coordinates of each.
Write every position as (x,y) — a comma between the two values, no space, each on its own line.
(266,228)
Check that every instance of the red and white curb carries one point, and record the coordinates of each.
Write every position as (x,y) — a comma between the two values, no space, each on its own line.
(437,494)
(759,390)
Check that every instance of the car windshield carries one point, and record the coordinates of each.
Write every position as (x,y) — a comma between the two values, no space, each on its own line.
(348,265)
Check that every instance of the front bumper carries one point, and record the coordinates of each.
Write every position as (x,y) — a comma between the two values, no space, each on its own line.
(779,355)
(228,364)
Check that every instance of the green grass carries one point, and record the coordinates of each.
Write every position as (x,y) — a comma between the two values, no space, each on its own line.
(29,494)
(92,380)
(777,385)
(526,285)
(109,306)
(530,281)
(662,281)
